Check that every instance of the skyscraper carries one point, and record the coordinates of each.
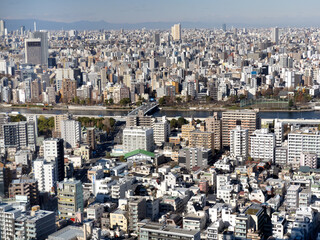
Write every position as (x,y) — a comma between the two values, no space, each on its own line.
(2,27)
(275,35)
(53,151)
(156,39)
(70,198)
(224,27)
(176,32)
(239,142)
(43,35)
(71,132)
(33,51)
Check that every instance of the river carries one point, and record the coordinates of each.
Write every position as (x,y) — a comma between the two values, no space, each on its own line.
(188,114)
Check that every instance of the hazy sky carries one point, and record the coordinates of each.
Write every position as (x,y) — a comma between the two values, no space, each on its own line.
(252,12)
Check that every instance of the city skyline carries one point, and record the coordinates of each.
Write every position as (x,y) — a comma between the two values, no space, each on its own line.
(204,13)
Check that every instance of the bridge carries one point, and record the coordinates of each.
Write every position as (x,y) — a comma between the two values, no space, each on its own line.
(145,108)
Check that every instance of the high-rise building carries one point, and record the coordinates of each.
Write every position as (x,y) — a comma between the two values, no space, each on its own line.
(36,224)
(300,141)
(46,175)
(8,215)
(2,27)
(224,27)
(137,212)
(156,39)
(213,124)
(19,135)
(43,36)
(157,231)
(275,35)
(194,157)
(91,138)
(33,53)
(53,150)
(176,32)
(57,124)
(309,159)
(25,187)
(161,131)
(137,138)
(199,139)
(70,198)
(278,131)
(69,90)
(71,133)
(263,145)
(239,142)
(4,118)
(247,119)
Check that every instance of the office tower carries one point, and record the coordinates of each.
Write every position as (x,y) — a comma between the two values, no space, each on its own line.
(137,138)
(22,30)
(263,145)
(275,35)
(43,36)
(69,90)
(71,133)
(161,131)
(91,138)
(199,139)
(213,124)
(35,90)
(25,187)
(5,179)
(103,74)
(176,32)
(309,159)
(35,224)
(53,150)
(34,26)
(278,131)
(156,39)
(159,231)
(8,215)
(224,27)
(239,142)
(33,51)
(137,212)
(192,157)
(46,175)
(19,135)
(2,27)
(247,119)
(302,141)
(70,198)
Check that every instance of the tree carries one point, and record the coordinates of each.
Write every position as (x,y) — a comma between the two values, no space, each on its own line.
(125,101)
(178,99)
(162,101)
(18,118)
(173,123)
(111,101)
(181,121)
(290,103)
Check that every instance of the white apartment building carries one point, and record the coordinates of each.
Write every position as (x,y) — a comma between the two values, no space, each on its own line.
(46,175)
(281,155)
(278,131)
(239,142)
(299,141)
(7,220)
(263,144)
(309,159)
(71,133)
(161,131)
(137,138)
(292,197)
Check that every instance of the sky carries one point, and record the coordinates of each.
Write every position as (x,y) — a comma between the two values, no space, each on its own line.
(267,12)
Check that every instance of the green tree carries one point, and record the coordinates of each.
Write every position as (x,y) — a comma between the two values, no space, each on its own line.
(111,101)
(18,118)
(181,121)
(173,123)
(162,101)
(125,101)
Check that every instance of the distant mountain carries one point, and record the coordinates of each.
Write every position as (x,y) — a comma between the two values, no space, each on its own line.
(14,24)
